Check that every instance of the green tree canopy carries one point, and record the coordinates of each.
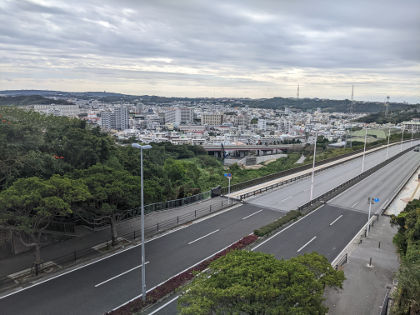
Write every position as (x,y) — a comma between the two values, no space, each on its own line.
(30,204)
(244,282)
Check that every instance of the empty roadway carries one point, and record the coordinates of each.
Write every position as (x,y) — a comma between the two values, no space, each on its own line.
(76,293)
(110,282)
(294,194)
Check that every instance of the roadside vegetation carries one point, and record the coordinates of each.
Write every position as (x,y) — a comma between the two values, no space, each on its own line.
(56,169)
(245,282)
(407,295)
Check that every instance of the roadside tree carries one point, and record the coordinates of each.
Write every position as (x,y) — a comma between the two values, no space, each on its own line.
(29,206)
(244,282)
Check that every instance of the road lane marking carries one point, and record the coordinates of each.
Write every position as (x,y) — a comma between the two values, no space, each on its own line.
(286,199)
(281,231)
(336,220)
(306,244)
(164,305)
(200,238)
(354,204)
(119,275)
(196,264)
(248,216)
(97,260)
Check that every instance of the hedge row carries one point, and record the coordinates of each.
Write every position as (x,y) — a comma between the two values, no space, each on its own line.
(266,229)
(177,281)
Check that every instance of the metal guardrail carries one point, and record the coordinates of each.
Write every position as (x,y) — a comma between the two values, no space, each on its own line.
(267,178)
(316,202)
(77,256)
(99,223)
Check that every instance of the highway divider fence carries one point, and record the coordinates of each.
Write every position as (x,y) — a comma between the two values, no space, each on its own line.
(285,173)
(320,200)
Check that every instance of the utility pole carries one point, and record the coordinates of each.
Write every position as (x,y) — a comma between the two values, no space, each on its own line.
(313,168)
(364,153)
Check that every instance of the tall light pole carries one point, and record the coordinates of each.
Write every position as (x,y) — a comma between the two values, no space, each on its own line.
(412,130)
(143,258)
(402,137)
(371,201)
(313,168)
(387,147)
(364,153)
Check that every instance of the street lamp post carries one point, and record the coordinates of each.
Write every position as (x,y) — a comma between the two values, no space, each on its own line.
(313,168)
(370,207)
(402,137)
(387,147)
(364,153)
(412,133)
(143,259)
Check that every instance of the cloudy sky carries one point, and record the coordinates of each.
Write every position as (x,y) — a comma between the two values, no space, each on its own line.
(214,48)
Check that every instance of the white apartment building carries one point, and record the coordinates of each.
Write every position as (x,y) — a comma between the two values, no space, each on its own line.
(262,124)
(58,110)
(118,119)
(412,126)
(179,116)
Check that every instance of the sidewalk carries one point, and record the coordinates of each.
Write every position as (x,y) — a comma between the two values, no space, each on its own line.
(365,286)
(90,239)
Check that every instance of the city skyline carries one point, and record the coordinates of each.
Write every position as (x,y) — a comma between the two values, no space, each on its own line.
(214,49)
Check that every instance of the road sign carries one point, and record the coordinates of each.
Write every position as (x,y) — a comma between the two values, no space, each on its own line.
(376,199)
(228,175)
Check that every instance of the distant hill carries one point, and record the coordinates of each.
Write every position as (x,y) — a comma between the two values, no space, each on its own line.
(310,104)
(30,100)
(394,117)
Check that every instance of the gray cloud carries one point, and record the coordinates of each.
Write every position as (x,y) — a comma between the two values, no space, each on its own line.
(234,44)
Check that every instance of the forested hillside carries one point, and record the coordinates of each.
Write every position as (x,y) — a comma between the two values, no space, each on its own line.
(30,100)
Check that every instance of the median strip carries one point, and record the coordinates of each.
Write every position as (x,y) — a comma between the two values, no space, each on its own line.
(200,238)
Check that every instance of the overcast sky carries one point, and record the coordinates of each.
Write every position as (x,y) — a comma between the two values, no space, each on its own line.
(214,48)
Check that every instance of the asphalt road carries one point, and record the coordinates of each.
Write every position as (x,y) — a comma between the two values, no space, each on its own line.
(382,184)
(292,195)
(331,227)
(109,283)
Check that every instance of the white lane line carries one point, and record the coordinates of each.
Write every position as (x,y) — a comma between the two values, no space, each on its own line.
(336,220)
(285,199)
(196,264)
(306,244)
(200,238)
(281,231)
(248,216)
(164,305)
(119,275)
(354,204)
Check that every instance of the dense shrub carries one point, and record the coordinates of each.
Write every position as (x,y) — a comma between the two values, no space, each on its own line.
(176,281)
(278,223)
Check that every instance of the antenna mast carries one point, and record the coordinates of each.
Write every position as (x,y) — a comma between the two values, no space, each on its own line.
(387,106)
